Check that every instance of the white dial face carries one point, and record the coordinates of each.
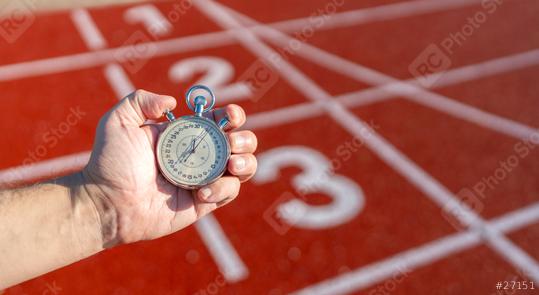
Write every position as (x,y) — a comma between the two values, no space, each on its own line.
(192,152)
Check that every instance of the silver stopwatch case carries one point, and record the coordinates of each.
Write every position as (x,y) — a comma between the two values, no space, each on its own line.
(193,151)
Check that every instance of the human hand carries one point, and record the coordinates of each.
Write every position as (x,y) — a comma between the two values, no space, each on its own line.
(135,202)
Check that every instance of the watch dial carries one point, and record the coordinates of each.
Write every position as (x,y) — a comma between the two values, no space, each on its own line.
(192,152)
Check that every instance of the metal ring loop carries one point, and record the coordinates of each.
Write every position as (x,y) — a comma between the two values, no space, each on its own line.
(197,87)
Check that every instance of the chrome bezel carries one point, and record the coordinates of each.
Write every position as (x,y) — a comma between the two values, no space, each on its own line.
(168,176)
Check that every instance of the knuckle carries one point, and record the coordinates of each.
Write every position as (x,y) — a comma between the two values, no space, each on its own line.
(235,187)
(229,188)
(231,135)
(219,187)
(139,93)
(137,97)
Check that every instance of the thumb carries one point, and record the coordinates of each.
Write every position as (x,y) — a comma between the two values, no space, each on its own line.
(142,105)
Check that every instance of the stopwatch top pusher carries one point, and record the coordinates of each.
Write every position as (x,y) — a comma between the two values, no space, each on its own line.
(200,105)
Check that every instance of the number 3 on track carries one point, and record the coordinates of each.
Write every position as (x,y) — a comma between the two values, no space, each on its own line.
(347,197)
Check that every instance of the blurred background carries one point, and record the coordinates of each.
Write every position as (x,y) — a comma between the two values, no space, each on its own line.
(397,139)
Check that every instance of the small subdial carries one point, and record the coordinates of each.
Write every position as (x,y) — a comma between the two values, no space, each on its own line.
(192,152)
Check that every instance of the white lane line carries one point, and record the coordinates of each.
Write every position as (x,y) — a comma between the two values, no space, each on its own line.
(451,77)
(405,262)
(87,29)
(230,265)
(379,13)
(18,175)
(208,40)
(471,114)
(383,93)
(491,67)
(90,59)
(55,65)
(399,264)
(284,115)
(520,220)
(522,261)
(409,90)
(114,73)
(225,256)
(388,153)
(118,80)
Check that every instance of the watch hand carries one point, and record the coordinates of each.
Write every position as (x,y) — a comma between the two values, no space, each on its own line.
(189,149)
(201,139)
(192,145)
(202,135)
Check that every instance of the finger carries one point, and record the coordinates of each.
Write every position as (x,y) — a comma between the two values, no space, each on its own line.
(225,188)
(243,166)
(142,105)
(242,141)
(234,113)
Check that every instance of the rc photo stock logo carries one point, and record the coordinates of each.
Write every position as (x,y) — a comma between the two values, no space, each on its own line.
(434,60)
(453,212)
(15,18)
(135,52)
(430,65)
(284,212)
(260,78)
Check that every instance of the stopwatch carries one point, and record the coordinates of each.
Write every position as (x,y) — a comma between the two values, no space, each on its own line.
(193,151)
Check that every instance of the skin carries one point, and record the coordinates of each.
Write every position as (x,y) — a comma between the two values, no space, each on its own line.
(119,197)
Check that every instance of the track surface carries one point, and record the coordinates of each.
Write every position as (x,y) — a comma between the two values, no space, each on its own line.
(440,195)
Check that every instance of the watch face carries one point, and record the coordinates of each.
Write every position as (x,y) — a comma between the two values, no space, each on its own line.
(192,152)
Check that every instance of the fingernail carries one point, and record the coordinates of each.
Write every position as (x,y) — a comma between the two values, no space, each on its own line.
(205,193)
(239,163)
(239,141)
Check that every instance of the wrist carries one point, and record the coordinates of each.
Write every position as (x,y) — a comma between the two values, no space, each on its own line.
(94,202)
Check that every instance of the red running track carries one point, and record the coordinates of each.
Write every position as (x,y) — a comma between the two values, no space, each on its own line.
(385,231)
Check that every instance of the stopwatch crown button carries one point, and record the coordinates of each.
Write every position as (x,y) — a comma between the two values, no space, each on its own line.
(169,115)
(200,102)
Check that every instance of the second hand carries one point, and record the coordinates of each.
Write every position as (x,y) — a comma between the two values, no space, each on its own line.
(202,135)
